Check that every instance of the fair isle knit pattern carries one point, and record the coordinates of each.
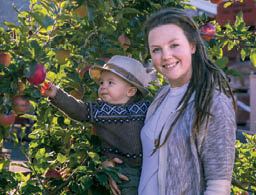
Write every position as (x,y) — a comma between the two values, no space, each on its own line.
(104,112)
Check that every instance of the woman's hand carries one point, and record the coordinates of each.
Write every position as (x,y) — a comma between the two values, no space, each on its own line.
(113,186)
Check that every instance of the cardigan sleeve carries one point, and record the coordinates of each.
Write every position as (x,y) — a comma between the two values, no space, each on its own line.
(73,108)
(218,147)
(217,187)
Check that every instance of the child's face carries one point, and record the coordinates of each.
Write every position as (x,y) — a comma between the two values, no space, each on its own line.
(114,90)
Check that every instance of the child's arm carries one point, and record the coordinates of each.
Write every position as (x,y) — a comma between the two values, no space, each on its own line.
(70,106)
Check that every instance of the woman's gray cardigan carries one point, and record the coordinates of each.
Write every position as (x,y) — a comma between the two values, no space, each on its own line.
(194,158)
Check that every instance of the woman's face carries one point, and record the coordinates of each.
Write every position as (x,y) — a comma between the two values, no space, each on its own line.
(171,53)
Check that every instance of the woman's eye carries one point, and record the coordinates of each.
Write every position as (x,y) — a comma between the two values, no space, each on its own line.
(101,82)
(174,45)
(110,82)
(155,50)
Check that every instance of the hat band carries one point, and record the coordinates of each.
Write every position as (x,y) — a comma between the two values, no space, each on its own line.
(123,72)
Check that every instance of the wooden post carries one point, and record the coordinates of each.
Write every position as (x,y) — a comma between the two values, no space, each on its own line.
(253,103)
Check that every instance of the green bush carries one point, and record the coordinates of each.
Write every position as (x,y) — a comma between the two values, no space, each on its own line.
(244,173)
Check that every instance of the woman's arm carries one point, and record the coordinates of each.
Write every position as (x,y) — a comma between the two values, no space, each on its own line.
(218,147)
(217,187)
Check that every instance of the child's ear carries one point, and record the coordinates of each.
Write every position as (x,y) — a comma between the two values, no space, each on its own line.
(131,91)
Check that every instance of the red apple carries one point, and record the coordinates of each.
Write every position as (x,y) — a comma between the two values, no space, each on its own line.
(124,40)
(5,59)
(7,119)
(20,105)
(208,31)
(104,59)
(52,173)
(81,71)
(39,75)
(216,1)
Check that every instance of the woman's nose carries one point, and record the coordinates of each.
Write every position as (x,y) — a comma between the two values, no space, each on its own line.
(167,54)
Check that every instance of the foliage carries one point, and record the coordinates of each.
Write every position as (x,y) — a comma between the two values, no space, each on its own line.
(244,174)
(57,143)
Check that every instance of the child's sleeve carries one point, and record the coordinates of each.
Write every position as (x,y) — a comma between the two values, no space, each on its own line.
(73,108)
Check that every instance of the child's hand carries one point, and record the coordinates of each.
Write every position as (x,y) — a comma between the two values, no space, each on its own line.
(113,185)
(48,90)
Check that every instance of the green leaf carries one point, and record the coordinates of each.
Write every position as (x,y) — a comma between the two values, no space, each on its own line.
(239,21)
(253,153)
(243,54)
(227,4)
(21,177)
(253,57)
(38,17)
(86,183)
(129,10)
(33,1)
(36,49)
(40,153)
(231,44)
(222,62)
(94,156)
(47,21)
(29,71)
(90,13)
(33,144)
(61,158)
(81,169)
(10,25)
(102,178)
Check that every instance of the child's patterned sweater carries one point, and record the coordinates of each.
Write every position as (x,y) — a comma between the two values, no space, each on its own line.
(118,126)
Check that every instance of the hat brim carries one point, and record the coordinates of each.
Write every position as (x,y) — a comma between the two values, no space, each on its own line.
(95,74)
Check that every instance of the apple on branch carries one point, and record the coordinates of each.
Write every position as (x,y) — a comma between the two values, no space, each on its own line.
(83,70)
(102,61)
(124,40)
(39,75)
(208,31)
(7,119)
(52,173)
(216,1)
(105,59)
(5,59)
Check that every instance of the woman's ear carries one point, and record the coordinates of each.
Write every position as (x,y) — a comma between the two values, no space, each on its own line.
(131,91)
(193,49)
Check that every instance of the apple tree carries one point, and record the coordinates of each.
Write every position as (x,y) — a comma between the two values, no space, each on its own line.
(58,41)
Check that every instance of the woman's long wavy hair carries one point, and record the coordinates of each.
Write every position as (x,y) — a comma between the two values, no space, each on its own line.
(206,76)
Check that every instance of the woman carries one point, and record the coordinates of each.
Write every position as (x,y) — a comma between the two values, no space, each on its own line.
(189,134)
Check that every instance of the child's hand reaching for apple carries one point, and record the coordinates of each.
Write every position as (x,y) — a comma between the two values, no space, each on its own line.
(48,90)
